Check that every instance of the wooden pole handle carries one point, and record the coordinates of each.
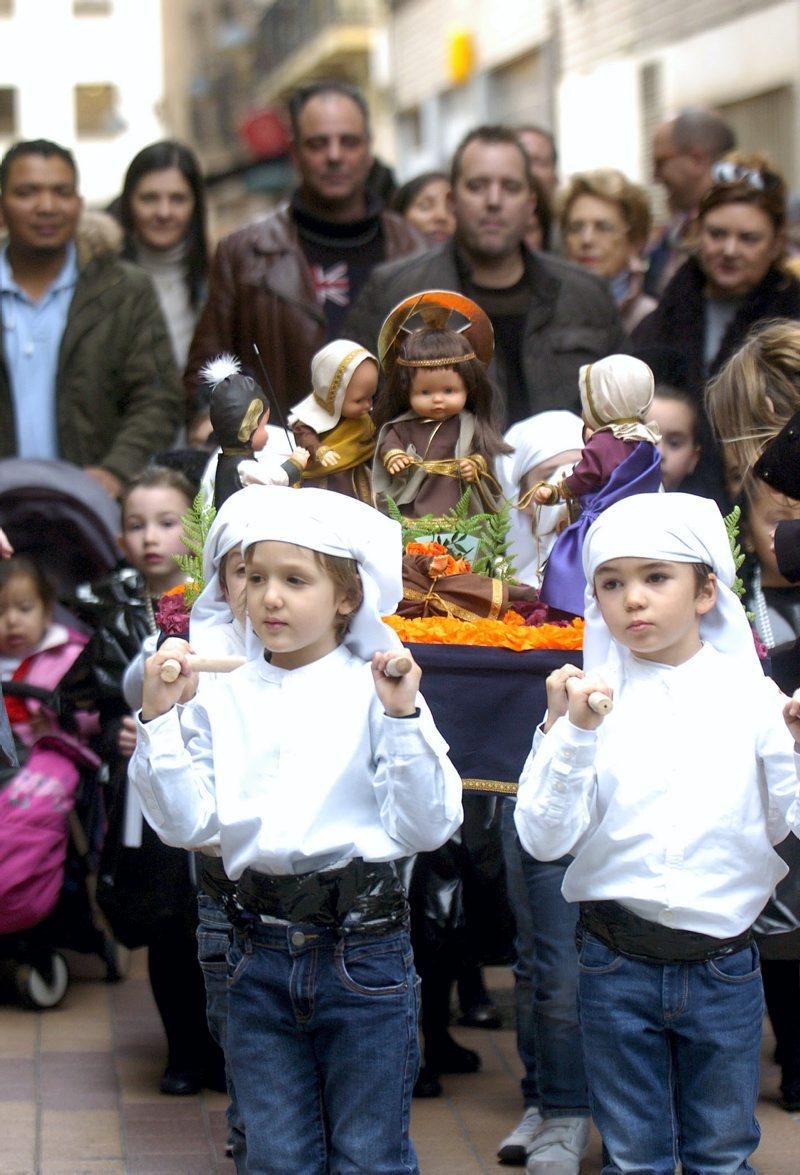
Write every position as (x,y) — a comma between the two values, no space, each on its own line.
(399,665)
(599,702)
(171,669)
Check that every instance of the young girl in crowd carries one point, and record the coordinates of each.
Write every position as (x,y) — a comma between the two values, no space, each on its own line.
(676,415)
(670,806)
(33,648)
(775,605)
(317,771)
(620,458)
(153,506)
(437,428)
(544,446)
(334,423)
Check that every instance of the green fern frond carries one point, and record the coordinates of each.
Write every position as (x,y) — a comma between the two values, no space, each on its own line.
(732,528)
(196,524)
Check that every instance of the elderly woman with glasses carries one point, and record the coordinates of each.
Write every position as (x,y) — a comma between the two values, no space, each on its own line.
(605,223)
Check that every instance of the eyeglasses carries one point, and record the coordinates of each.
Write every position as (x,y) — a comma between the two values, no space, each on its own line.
(727,172)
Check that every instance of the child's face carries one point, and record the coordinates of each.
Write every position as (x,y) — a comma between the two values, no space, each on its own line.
(152,534)
(260,436)
(765,509)
(24,616)
(653,607)
(360,391)
(233,581)
(678,446)
(292,603)
(437,393)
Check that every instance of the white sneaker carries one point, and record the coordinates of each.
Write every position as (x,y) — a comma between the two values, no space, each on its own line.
(558,1147)
(513,1150)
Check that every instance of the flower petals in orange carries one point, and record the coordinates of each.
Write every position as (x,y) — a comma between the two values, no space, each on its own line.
(509,633)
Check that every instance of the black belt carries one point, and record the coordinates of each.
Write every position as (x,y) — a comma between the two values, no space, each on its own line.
(638,938)
(362,896)
(214,881)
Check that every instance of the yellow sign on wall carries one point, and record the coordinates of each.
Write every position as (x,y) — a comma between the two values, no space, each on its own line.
(460,54)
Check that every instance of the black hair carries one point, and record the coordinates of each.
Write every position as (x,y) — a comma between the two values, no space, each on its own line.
(44,147)
(407,193)
(303,94)
(664,391)
(482,398)
(533,128)
(158,157)
(24,565)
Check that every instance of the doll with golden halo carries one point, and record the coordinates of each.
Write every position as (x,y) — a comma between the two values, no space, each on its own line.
(239,413)
(334,422)
(437,414)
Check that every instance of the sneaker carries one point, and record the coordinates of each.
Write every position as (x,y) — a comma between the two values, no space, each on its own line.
(558,1147)
(513,1150)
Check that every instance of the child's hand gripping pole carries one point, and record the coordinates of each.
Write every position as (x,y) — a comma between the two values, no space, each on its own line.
(397,677)
(171,669)
(398,664)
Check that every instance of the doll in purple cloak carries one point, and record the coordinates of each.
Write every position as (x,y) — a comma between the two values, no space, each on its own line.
(620,458)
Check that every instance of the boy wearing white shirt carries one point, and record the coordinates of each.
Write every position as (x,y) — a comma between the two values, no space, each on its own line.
(317,772)
(670,806)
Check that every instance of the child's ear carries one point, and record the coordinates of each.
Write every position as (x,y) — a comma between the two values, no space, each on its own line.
(707,596)
(347,606)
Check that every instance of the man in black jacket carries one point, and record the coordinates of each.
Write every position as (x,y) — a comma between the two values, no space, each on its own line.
(549,317)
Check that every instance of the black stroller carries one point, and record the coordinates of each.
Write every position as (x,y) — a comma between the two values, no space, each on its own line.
(51,807)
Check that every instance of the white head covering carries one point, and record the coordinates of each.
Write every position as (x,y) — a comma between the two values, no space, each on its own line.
(336,525)
(679,528)
(226,532)
(331,371)
(537,439)
(616,394)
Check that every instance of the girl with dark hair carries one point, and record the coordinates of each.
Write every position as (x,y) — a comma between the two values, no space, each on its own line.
(438,430)
(162,211)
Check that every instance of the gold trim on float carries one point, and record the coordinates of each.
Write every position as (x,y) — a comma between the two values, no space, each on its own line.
(490,785)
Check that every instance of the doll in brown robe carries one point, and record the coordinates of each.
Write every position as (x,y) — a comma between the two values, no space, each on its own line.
(334,423)
(437,432)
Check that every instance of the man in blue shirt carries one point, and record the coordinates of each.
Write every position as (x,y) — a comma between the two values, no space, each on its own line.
(86,370)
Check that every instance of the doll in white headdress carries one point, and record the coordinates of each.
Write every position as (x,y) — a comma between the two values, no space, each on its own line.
(334,423)
(620,458)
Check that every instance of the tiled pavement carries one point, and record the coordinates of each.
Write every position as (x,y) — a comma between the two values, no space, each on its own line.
(78,1096)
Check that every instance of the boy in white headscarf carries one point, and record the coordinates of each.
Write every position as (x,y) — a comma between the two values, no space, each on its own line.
(317,772)
(670,805)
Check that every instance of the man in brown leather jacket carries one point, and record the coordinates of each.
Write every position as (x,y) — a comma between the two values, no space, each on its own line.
(285,282)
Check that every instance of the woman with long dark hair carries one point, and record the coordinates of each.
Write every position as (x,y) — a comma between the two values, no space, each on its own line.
(162,211)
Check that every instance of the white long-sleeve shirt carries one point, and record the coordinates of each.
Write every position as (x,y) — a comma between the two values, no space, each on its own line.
(296,770)
(672,806)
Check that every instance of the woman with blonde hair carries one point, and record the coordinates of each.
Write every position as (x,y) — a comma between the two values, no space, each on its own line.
(605,223)
(754,396)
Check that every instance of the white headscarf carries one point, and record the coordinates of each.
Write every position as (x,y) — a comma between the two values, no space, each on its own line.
(678,528)
(332,369)
(616,394)
(537,439)
(336,525)
(225,534)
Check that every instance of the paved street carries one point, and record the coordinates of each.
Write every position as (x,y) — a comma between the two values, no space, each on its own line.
(78,1096)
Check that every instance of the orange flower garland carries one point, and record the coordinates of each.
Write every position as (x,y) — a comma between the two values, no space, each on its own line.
(442,562)
(509,633)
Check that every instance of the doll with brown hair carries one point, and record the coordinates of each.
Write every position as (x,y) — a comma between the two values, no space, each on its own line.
(437,415)
(334,423)
(239,414)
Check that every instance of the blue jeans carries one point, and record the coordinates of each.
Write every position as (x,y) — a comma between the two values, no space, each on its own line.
(322,1044)
(213,940)
(550,1047)
(524,951)
(672,1058)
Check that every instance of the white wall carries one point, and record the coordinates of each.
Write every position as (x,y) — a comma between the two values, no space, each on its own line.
(46,51)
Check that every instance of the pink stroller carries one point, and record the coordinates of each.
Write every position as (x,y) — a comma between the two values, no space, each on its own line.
(51,819)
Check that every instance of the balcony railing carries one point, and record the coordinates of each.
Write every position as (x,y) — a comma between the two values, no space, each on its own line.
(289,25)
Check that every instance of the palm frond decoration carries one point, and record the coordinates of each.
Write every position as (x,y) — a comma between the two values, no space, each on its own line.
(490,532)
(196,525)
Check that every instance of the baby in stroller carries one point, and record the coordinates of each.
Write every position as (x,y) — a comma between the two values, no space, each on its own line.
(43,839)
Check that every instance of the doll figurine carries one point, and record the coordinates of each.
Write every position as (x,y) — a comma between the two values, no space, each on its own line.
(620,458)
(437,433)
(334,423)
(239,413)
